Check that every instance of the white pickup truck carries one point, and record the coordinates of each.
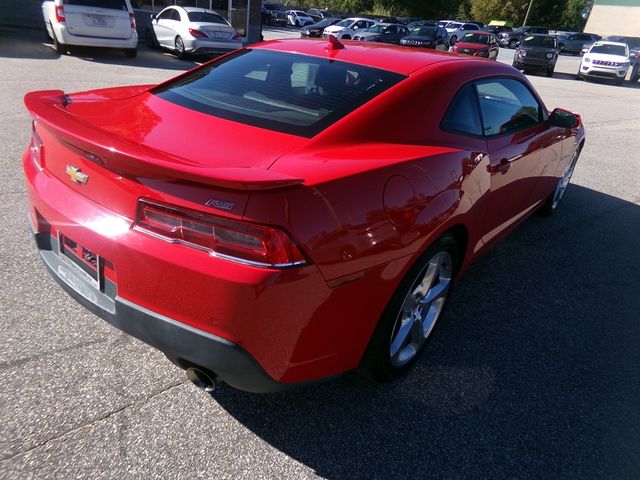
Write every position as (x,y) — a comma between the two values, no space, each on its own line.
(91,23)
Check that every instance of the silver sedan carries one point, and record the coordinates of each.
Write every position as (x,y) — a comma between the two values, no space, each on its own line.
(188,30)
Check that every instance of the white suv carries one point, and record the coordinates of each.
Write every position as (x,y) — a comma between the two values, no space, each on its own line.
(347,27)
(91,23)
(606,60)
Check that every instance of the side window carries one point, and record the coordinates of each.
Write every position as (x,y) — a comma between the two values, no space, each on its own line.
(462,115)
(392,29)
(166,15)
(507,106)
(175,15)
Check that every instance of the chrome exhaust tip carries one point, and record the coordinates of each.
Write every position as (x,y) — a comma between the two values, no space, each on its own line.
(201,379)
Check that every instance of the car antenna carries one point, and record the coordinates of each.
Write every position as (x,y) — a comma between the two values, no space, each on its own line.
(334,44)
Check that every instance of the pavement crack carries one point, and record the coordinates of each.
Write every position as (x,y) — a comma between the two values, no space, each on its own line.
(86,426)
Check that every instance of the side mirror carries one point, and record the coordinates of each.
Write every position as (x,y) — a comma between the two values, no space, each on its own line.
(153,16)
(563,119)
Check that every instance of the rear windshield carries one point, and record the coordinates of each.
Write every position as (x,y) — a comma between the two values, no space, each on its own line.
(112,4)
(206,17)
(620,50)
(285,92)
(542,42)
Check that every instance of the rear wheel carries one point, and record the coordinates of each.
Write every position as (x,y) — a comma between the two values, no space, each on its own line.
(345,37)
(60,47)
(410,317)
(179,47)
(513,43)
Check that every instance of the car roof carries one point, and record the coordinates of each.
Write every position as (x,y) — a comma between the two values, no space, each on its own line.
(402,60)
(195,9)
(605,42)
(479,32)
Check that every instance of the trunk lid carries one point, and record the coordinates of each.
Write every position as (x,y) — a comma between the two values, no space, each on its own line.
(114,151)
(85,18)
(215,31)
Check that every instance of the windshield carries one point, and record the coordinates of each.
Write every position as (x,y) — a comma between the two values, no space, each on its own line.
(377,29)
(285,92)
(475,38)
(325,23)
(424,32)
(453,25)
(344,23)
(206,17)
(620,50)
(542,42)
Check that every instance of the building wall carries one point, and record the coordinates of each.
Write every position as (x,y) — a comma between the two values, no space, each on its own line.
(615,17)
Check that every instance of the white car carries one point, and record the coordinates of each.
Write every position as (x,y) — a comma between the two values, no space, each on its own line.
(298,18)
(458,30)
(91,23)
(606,60)
(346,28)
(187,30)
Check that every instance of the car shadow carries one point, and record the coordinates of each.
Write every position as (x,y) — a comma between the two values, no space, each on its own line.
(25,43)
(533,372)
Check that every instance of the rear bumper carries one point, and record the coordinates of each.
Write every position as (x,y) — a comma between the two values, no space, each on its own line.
(211,46)
(184,345)
(66,38)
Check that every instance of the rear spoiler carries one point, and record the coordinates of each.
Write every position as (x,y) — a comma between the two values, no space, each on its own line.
(48,107)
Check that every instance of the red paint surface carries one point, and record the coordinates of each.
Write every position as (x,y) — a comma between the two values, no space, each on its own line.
(327,192)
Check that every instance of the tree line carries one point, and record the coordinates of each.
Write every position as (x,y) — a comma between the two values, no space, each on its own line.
(559,14)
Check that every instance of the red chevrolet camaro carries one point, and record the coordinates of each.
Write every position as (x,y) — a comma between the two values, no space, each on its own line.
(292,210)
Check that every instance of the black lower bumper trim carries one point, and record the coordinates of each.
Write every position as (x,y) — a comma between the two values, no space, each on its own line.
(184,345)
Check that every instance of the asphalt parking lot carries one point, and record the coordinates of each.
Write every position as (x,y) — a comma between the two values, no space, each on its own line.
(533,373)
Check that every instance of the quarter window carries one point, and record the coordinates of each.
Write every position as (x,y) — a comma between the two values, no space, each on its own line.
(462,115)
(507,106)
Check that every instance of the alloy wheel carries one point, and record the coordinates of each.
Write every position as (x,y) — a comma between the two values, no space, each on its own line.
(421,309)
(564,181)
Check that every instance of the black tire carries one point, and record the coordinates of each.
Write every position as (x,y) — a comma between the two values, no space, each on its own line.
(179,47)
(131,52)
(377,363)
(550,72)
(513,44)
(452,40)
(345,37)
(550,205)
(513,64)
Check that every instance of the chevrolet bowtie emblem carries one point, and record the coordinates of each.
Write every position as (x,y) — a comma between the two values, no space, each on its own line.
(76,175)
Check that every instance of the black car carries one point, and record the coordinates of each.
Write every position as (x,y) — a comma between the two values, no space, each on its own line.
(427,37)
(316,29)
(319,14)
(537,52)
(383,33)
(514,38)
(273,14)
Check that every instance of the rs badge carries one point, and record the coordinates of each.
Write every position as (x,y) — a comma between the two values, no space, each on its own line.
(76,175)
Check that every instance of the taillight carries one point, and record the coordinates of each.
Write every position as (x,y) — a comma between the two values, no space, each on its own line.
(59,14)
(243,242)
(197,33)
(132,17)
(36,149)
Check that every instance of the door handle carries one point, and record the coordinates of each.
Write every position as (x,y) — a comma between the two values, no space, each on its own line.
(501,167)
